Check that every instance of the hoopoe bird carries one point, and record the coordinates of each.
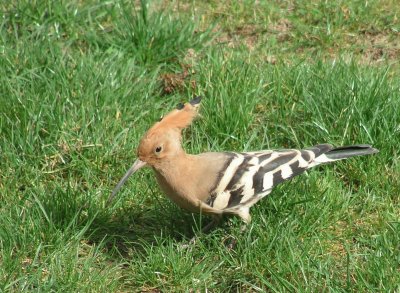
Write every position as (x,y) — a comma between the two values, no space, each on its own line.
(218,183)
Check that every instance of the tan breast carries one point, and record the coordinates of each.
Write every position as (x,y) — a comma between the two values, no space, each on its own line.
(189,180)
(176,194)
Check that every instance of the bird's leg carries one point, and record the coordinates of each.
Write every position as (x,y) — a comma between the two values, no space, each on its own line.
(244,214)
(215,221)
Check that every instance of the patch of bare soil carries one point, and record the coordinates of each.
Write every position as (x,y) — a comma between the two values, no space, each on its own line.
(178,81)
(246,35)
(375,47)
(250,35)
(281,28)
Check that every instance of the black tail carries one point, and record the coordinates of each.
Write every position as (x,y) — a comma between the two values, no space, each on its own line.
(350,151)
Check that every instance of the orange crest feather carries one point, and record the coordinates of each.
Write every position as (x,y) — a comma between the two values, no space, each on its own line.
(179,118)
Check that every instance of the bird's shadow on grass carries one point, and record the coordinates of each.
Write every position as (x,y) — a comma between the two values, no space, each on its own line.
(124,230)
(120,228)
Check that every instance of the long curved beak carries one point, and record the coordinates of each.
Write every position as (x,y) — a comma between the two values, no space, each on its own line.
(136,166)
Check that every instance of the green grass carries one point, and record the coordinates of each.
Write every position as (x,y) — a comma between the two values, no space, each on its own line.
(81,81)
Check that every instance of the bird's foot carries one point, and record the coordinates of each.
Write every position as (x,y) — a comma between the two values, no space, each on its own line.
(204,230)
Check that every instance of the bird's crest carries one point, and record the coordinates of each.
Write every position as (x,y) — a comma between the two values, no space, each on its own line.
(179,118)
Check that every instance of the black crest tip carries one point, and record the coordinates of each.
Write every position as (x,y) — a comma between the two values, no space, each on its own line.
(180,106)
(195,101)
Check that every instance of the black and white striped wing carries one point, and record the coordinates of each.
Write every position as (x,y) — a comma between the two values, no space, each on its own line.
(251,176)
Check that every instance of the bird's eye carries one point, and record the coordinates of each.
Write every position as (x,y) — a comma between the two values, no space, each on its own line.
(158,149)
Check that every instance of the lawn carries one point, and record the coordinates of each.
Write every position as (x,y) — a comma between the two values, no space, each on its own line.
(81,81)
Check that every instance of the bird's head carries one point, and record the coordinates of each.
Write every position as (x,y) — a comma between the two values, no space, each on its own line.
(162,142)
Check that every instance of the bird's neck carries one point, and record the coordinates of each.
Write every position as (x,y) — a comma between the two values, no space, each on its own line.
(175,177)
(177,165)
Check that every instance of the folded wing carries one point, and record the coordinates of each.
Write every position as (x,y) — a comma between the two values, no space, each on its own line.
(251,176)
